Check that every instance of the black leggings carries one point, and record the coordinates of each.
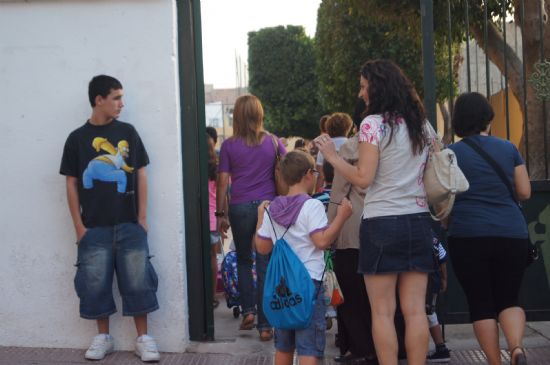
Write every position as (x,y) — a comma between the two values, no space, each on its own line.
(354,315)
(490,270)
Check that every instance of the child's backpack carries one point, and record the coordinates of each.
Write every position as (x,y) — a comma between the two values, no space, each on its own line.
(289,294)
(231,279)
(333,293)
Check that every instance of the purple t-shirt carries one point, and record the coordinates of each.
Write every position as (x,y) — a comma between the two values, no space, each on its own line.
(251,168)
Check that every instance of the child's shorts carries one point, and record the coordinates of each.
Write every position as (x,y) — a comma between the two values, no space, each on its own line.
(308,341)
(102,251)
(431,303)
(432,320)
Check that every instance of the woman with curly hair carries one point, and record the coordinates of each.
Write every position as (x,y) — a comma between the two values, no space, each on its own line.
(395,239)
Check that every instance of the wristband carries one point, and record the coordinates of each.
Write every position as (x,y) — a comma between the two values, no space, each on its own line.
(219,214)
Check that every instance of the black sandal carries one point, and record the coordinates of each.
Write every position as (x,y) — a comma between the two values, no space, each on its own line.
(520,358)
(348,358)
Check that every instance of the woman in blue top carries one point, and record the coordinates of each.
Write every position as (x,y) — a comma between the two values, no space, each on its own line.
(487,230)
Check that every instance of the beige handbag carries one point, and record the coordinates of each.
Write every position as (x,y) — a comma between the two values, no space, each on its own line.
(443,179)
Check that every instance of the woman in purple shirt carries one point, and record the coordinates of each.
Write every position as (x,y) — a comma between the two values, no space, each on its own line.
(248,158)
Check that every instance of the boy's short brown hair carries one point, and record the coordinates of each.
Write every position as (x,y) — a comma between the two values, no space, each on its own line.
(339,125)
(294,165)
(323,123)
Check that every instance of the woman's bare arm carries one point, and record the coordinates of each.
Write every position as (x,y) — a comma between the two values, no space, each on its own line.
(522,183)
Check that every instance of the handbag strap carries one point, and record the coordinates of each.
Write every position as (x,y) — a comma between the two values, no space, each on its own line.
(498,169)
(328,261)
(276,146)
(445,212)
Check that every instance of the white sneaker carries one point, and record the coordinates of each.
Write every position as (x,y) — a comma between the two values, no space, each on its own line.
(146,348)
(102,345)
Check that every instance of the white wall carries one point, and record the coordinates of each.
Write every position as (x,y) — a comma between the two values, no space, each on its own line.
(49,50)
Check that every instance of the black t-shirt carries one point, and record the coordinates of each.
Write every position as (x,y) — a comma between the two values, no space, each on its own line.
(105,159)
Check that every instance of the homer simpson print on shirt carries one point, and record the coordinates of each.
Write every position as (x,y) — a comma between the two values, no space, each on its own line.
(109,167)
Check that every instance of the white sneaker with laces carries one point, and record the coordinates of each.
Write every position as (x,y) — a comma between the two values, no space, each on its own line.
(146,348)
(102,345)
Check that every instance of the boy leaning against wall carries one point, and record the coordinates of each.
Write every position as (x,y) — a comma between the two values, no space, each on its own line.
(104,163)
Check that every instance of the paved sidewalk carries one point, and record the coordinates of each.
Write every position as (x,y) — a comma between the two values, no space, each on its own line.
(243,347)
(234,347)
(36,356)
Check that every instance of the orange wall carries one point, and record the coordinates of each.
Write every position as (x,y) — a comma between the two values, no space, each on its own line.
(498,128)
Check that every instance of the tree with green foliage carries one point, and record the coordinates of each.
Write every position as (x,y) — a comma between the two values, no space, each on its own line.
(532,13)
(347,36)
(281,66)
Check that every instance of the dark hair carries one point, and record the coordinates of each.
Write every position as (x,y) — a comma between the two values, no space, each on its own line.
(295,165)
(392,95)
(213,133)
(323,123)
(212,158)
(339,125)
(472,114)
(299,143)
(359,112)
(102,85)
(328,172)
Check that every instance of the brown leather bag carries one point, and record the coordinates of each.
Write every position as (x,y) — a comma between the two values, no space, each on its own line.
(280,185)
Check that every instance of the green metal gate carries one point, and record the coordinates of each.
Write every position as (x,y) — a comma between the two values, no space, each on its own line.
(195,191)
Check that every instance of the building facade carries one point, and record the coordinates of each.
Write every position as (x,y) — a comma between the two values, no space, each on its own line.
(49,52)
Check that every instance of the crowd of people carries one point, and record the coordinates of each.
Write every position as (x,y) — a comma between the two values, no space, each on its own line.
(387,251)
(388,256)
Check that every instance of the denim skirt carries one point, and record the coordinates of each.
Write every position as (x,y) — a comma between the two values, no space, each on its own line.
(396,243)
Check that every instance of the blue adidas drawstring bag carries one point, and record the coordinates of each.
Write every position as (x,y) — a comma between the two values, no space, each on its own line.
(289,293)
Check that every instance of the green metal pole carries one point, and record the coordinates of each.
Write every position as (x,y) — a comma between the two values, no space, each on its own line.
(428,60)
(195,185)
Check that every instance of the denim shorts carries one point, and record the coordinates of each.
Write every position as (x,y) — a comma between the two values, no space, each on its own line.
(396,243)
(123,249)
(308,341)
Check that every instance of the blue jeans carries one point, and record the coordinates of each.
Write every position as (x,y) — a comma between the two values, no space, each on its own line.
(309,341)
(243,218)
(123,249)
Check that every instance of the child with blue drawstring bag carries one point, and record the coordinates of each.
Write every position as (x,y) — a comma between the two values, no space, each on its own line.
(296,229)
